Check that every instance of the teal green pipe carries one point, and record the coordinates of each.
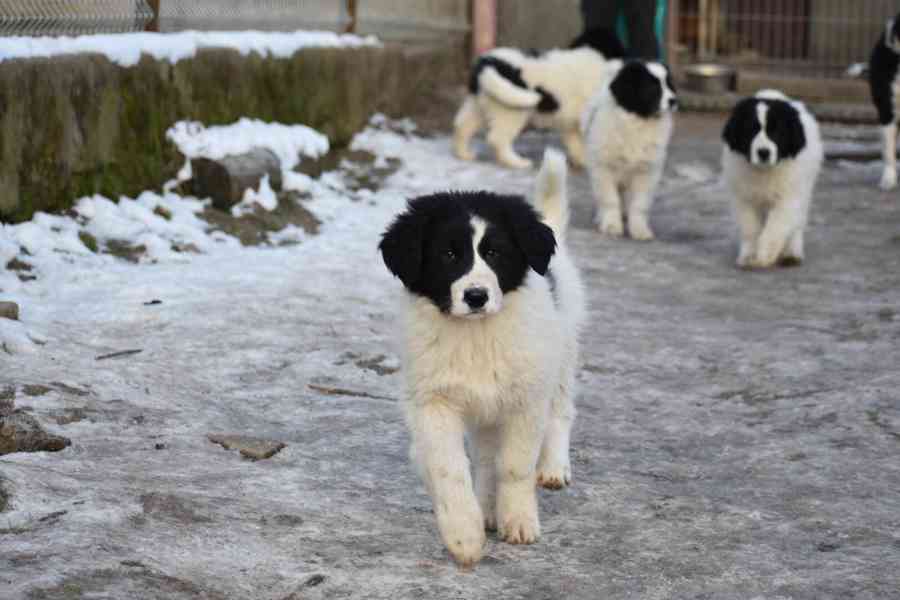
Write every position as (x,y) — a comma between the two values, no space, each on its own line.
(659,26)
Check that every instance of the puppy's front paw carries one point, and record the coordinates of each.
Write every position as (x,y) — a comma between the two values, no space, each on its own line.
(520,528)
(640,231)
(518,163)
(554,477)
(888,180)
(611,227)
(790,261)
(463,534)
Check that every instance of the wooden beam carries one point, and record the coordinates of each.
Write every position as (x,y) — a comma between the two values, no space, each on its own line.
(351,13)
(154,24)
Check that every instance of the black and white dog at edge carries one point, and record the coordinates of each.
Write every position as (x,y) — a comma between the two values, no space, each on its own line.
(884,83)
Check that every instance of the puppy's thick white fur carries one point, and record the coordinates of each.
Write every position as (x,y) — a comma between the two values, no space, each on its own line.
(626,157)
(570,75)
(771,202)
(508,380)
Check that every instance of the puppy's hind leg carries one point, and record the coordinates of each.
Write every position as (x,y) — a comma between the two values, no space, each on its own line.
(504,126)
(574,146)
(889,155)
(467,123)
(608,203)
(554,471)
(639,199)
(487,442)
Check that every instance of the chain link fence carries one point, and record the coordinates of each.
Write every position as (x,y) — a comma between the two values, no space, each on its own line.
(807,38)
(67,17)
(390,18)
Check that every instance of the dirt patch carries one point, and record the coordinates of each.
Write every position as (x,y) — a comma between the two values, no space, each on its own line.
(360,169)
(253,229)
(171,507)
(36,390)
(4,495)
(132,580)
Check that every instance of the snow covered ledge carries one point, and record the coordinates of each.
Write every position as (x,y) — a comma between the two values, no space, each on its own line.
(88,115)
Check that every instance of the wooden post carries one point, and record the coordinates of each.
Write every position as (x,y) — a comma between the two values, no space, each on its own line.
(351,13)
(154,24)
(484,25)
(673,34)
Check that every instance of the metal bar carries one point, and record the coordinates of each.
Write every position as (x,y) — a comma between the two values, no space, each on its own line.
(351,13)
(484,25)
(153,25)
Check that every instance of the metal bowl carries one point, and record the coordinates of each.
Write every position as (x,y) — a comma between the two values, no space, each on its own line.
(710,78)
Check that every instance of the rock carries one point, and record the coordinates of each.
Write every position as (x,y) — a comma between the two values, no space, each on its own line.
(7,401)
(20,432)
(9,310)
(251,447)
(225,180)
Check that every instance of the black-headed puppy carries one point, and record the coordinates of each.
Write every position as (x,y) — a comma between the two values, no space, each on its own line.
(772,156)
(627,127)
(493,307)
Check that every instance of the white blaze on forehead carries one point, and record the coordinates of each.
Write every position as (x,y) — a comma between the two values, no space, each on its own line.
(762,112)
(481,275)
(762,140)
(660,72)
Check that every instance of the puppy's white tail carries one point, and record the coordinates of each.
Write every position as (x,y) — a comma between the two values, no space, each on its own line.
(550,197)
(505,92)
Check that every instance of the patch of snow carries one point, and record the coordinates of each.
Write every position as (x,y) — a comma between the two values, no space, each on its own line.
(287,142)
(695,172)
(125,49)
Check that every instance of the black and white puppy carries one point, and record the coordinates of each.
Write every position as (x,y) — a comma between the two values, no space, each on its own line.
(493,310)
(772,156)
(884,84)
(510,88)
(627,127)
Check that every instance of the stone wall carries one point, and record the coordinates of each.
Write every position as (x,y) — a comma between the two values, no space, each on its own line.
(79,125)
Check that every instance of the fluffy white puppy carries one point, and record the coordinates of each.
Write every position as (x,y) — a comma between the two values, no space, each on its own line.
(509,88)
(493,310)
(773,154)
(627,127)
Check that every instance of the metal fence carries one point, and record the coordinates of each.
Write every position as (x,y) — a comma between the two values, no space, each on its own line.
(59,17)
(399,18)
(807,38)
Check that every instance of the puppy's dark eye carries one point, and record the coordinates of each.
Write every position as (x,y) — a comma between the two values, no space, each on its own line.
(491,253)
(450,255)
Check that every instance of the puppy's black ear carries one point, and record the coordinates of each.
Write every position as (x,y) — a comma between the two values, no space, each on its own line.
(736,133)
(794,136)
(536,241)
(401,245)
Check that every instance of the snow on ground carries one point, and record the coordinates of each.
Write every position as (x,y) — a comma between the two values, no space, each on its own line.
(737,431)
(125,49)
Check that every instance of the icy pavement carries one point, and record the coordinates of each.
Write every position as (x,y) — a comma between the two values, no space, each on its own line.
(738,437)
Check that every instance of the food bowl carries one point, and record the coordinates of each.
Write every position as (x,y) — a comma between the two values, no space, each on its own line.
(710,78)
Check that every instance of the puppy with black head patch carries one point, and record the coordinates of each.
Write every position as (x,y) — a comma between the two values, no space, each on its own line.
(510,88)
(627,127)
(493,309)
(884,84)
(772,156)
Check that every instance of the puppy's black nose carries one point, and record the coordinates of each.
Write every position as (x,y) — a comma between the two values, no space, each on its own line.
(475,297)
(763,154)
(673,103)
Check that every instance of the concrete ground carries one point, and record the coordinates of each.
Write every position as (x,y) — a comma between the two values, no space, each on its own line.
(738,435)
